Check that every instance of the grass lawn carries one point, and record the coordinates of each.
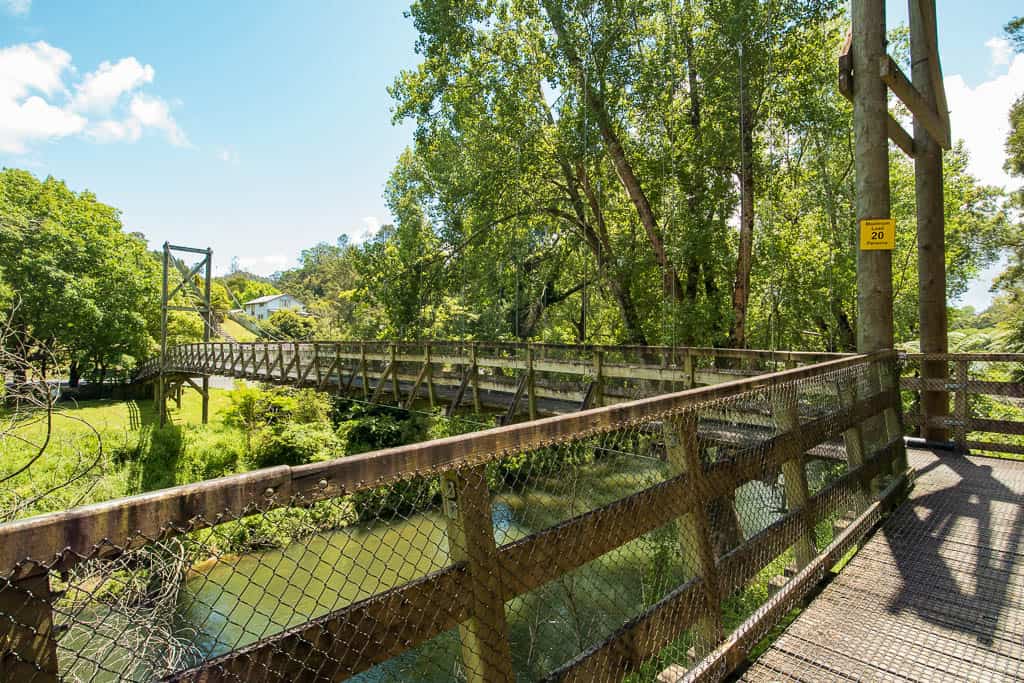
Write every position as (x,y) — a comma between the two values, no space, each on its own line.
(237,331)
(109,449)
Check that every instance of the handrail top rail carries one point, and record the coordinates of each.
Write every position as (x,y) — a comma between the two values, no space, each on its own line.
(45,538)
(966,355)
(724,352)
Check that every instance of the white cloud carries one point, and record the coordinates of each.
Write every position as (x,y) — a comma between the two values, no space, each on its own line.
(100,90)
(372,223)
(37,105)
(264,265)
(153,112)
(26,72)
(1001,49)
(979,116)
(228,156)
(144,111)
(32,67)
(17,6)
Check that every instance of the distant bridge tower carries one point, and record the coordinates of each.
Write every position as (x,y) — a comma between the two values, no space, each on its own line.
(200,303)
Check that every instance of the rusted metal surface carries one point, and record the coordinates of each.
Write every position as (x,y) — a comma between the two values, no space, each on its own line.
(60,539)
(936,594)
(684,469)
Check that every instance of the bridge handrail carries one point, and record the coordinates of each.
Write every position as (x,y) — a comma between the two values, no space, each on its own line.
(809,408)
(667,352)
(960,376)
(60,539)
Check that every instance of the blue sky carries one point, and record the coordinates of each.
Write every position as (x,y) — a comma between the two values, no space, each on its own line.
(261,128)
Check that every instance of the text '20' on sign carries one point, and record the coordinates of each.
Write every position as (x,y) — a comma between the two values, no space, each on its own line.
(878,233)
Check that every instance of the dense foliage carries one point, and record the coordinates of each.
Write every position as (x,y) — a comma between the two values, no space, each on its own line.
(651,171)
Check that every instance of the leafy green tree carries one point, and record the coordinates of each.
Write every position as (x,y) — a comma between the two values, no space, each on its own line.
(82,286)
(290,324)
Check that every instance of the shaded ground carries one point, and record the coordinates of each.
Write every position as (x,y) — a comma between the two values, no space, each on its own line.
(936,594)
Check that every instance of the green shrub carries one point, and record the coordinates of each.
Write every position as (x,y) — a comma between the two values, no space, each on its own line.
(296,444)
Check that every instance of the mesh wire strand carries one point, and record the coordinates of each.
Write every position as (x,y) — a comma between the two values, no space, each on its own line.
(293,589)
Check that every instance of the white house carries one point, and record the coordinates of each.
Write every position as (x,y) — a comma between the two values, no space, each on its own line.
(261,308)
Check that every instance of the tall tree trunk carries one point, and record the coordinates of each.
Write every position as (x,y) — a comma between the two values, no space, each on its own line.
(623,169)
(741,287)
(608,264)
(598,242)
(74,374)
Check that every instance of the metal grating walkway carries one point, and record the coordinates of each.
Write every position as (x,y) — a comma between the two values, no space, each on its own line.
(937,594)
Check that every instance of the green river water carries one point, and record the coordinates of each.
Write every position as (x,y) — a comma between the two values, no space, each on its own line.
(236,602)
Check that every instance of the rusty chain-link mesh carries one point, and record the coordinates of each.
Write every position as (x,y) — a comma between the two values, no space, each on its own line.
(629,545)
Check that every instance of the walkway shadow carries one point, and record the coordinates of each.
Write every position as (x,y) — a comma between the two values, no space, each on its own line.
(161,449)
(134,415)
(945,540)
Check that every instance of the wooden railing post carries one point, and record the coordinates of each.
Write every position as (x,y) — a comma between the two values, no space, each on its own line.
(28,649)
(486,654)
(475,377)
(888,380)
(338,367)
(316,364)
(531,389)
(853,438)
(961,408)
(366,374)
(786,413)
(431,393)
(298,364)
(598,379)
(395,393)
(688,369)
(698,555)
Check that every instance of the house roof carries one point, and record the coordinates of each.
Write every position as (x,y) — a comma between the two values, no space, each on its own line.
(264,299)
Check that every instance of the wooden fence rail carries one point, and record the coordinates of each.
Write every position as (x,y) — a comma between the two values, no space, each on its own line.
(972,376)
(807,408)
(519,377)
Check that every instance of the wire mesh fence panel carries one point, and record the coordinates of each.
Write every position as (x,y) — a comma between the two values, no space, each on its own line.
(981,399)
(627,540)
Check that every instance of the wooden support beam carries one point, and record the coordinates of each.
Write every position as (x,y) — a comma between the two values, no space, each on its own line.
(900,137)
(598,379)
(923,112)
(364,370)
(853,437)
(486,654)
(389,369)
(689,369)
(429,362)
(475,370)
(786,412)
(395,392)
(929,29)
(871,163)
(931,217)
(695,545)
(961,409)
(454,405)
(305,373)
(888,381)
(316,364)
(416,385)
(513,407)
(531,384)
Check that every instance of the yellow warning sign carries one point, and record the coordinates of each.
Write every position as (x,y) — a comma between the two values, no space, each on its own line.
(878,233)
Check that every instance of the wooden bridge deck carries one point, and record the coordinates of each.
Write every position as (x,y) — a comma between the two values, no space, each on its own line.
(937,594)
